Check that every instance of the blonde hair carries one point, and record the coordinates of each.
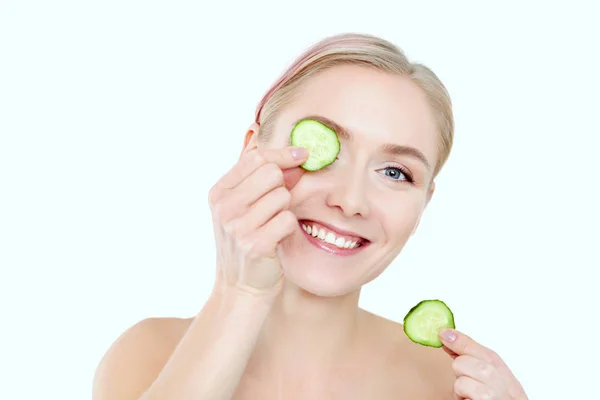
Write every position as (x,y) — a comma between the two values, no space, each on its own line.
(366,50)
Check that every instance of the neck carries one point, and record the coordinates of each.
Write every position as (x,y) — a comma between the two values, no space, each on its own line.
(304,331)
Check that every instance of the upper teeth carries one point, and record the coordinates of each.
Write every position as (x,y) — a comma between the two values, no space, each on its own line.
(329,237)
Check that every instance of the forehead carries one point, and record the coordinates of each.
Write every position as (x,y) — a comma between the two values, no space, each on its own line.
(377,107)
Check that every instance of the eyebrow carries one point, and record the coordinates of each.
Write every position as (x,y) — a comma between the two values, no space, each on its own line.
(388,148)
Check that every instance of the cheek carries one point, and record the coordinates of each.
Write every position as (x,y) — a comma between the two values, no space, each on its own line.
(399,216)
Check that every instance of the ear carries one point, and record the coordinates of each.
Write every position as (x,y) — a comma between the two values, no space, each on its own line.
(251,138)
(430,192)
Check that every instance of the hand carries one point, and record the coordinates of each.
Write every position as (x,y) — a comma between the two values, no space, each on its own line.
(480,372)
(250,212)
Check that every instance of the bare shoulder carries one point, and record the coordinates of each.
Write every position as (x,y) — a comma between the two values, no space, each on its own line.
(136,358)
(418,371)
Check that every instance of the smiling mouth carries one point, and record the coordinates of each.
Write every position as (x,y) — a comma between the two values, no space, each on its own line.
(331,239)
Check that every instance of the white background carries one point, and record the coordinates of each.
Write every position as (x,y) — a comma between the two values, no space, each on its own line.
(116,117)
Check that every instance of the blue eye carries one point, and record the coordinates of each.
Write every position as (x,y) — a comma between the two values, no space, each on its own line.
(397,174)
(393,173)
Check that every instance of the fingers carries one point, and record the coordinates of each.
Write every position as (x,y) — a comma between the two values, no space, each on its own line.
(277,229)
(285,158)
(250,210)
(267,179)
(461,344)
(264,243)
(481,373)
(263,180)
(469,388)
(257,173)
(475,368)
(259,213)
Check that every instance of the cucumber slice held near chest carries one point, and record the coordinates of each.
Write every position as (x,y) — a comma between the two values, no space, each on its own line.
(425,320)
(322,143)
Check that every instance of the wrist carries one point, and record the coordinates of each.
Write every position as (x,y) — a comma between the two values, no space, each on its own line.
(244,293)
(243,301)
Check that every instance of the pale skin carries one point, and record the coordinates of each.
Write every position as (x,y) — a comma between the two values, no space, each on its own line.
(283,320)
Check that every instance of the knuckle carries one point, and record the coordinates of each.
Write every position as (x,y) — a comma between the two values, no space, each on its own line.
(213,195)
(231,228)
(247,247)
(456,364)
(258,157)
(253,251)
(275,173)
(288,219)
(492,357)
(284,196)
(217,210)
(486,370)
(221,211)
(458,385)
(464,347)
(485,394)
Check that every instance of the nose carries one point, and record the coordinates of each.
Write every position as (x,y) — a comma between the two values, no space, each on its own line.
(349,195)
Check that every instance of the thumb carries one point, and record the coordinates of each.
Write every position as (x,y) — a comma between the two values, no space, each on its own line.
(291,176)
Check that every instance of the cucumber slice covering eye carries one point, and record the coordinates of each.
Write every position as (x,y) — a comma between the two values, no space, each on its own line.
(322,143)
(424,321)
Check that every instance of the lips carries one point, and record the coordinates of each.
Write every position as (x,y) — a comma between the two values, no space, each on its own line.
(332,235)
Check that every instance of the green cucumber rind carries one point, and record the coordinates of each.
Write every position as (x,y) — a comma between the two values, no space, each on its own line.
(312,164)
(407,323)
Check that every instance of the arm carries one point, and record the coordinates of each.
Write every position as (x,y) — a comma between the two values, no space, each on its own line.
(212,356)
(207,363)
(250,207)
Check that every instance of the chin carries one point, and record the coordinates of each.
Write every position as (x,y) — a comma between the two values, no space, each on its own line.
(323,269)
(317,283)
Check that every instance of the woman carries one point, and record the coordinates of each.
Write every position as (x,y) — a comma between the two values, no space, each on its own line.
(294,249)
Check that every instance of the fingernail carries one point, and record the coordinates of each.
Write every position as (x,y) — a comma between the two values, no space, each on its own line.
(299,153)
(448,335)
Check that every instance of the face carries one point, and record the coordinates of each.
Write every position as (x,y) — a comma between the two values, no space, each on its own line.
(356,215)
